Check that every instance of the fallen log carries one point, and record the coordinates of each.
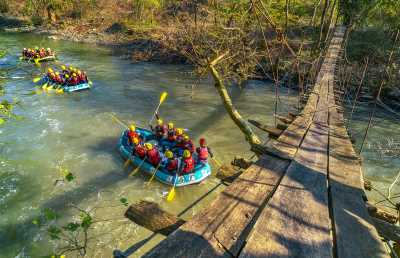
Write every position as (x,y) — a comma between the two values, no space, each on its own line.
(151,216)
(283,119)
(273,132)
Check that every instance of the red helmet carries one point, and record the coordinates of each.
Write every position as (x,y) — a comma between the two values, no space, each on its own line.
(202,142)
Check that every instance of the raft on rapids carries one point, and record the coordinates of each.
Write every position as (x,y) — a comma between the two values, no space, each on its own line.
(39,60)
(65,87)
(200,172)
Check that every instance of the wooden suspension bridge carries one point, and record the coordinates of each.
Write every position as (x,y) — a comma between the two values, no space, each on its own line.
(304,197)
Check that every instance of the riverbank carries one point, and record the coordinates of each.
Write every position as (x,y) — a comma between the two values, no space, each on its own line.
(150,45)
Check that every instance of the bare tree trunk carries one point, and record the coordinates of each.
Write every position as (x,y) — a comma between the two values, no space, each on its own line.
(251,137)
(330,20)
(322,22)
(286,16)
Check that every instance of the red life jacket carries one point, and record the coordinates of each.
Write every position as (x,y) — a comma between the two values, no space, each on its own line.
(179,142)
(140,151)
(73,81)
(172,165)
(171,135)
(202,153)
(153,156)
(58,79)
(131,135)
(188,165)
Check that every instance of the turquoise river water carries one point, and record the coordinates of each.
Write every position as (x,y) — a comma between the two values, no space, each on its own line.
(76,132)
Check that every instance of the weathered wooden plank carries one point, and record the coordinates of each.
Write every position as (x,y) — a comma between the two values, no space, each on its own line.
(152,217)
(352,224)
(295,222)
(221,229)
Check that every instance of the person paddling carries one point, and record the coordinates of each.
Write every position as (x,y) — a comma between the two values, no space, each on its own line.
(132,134)
(171,164)
(160,130)
(139,149)
(171,134)
(203,151)
(187,162)
(188,143)
(152,155)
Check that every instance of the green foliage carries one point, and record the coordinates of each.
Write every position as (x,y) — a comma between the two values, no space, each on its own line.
(54,232)
(124,201)
(69,177)
(86,220)
(49,214)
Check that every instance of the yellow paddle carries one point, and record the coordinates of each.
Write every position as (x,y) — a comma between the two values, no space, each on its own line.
(115,118)
(155,171)
(36,60)
(59,91)
(35,80)
(137,169)
(171,194)
(216,162)
(127,162)
(163,96)
(44,86)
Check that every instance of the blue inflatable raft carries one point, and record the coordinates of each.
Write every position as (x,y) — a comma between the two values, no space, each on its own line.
(66,88)
(200,172)
(39,60)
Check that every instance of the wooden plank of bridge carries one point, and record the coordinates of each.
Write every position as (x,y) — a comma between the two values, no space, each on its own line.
(220,229)
(355,234)
(296,222)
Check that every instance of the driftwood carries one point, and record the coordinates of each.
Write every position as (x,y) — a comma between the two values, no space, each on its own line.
(273,132)
(380,214)
(241,163)
(151,216)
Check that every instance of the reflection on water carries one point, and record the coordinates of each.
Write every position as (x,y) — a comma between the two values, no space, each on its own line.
(76,131)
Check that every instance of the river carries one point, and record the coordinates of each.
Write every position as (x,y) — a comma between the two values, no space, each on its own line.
(76,132)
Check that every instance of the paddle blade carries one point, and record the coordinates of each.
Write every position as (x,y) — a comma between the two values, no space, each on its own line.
(35,80)
(44,86)
(90,83)
(171,195)
(127,162)
(59,91)
(20,58)
(163,96)
(36,60)
(134,171)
